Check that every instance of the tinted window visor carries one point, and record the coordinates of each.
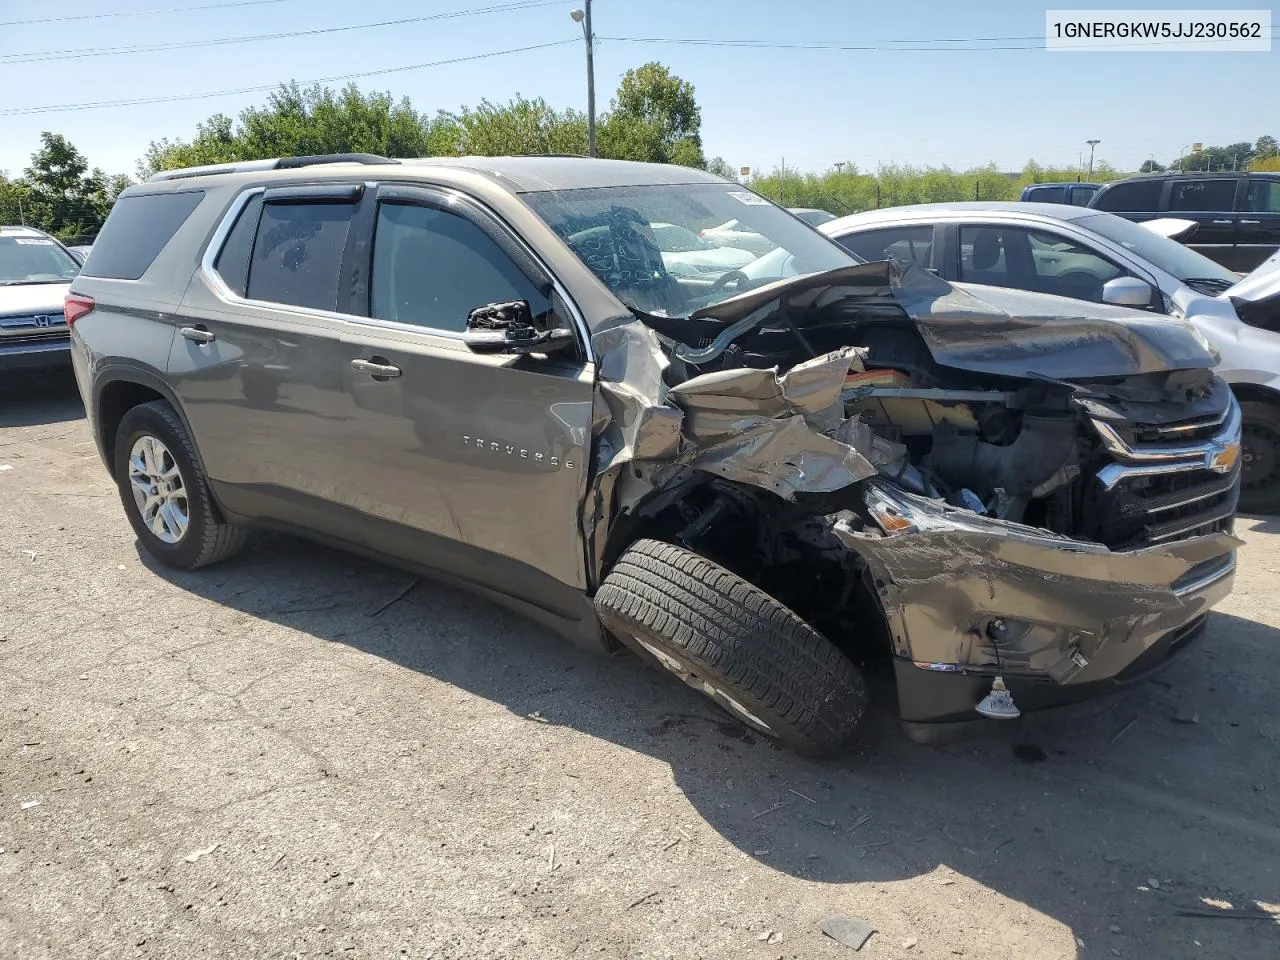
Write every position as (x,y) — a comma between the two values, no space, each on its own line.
(136,231)
(1169,255)
(31,260)
(611,230)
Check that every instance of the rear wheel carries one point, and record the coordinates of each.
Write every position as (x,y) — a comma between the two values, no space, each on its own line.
(166,494)
(735,644)
(1260,437)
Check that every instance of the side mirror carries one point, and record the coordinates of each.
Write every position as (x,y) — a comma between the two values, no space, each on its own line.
(1127,292)
(508,328)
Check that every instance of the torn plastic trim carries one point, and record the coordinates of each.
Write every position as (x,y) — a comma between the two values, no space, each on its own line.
(990,595)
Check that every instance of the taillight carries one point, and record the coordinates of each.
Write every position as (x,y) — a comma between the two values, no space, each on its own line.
(76,306)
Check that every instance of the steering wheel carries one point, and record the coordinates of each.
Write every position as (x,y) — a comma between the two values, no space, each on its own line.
(1082,285)
(733,276)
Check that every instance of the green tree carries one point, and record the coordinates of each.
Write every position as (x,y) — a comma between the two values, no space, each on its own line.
(1265,148)
(653,117)
(62,195)
(1150,166)
(298,121)
(519,126)
(722,168)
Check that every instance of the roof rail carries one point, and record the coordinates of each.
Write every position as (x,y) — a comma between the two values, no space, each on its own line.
(280,163)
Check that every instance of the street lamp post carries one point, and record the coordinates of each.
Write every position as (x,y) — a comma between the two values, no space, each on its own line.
(1092,144)
(584,18)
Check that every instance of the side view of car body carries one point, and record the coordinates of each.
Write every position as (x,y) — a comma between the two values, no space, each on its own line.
(1238,214)
(1098,257)
(35,270)
(1072,194)
(480,368)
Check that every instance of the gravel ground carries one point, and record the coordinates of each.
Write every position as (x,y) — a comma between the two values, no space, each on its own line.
(253,761)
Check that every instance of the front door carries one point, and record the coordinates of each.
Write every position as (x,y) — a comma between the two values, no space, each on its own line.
(472,463)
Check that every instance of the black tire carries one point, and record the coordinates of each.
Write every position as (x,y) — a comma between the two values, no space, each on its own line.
(724,630)
(1260,484)
(206,540)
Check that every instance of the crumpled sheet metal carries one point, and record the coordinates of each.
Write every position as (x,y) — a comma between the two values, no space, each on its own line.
(1000,331)
(770,431)
(744,424)
(936,586)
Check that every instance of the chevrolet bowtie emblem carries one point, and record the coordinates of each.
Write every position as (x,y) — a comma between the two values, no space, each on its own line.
(1224,457)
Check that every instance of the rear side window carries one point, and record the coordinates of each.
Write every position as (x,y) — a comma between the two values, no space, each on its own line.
(1202,195)
(908,244)
(233,260)
(297,253)
(136,231)
(1137,195)
(1080,196)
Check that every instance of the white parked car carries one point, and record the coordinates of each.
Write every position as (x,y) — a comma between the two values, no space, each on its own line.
(685,254)
(1091,255)
(35,270)
(733,233)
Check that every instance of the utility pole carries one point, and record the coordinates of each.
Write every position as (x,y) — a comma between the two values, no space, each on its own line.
(1092,144)
(584,18)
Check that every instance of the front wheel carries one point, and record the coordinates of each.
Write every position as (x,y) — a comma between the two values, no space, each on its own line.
(166,494)
(735,644)
(1260,437)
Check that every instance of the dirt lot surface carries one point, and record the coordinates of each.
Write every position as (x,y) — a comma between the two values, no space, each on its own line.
(254,761)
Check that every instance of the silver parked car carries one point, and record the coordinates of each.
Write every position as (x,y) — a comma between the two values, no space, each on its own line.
(1091,255)
(35,270)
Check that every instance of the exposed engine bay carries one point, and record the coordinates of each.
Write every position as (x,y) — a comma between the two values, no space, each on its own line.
(1010,491)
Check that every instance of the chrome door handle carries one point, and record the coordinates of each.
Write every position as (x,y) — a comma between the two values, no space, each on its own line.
(1251,223)
(197,334)
(384,370)
(1223,223)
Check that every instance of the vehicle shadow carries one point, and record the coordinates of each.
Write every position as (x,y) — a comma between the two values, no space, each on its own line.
(1069,814)
(28,401)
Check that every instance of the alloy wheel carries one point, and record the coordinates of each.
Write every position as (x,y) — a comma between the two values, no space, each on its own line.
(158,489)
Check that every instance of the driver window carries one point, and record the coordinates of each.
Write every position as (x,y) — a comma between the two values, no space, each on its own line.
(432,268)
(907,244)
(1068,269)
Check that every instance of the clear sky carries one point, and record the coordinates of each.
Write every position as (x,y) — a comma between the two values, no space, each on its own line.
(962,107)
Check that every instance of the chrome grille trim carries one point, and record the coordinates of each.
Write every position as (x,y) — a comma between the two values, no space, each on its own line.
(1201,452)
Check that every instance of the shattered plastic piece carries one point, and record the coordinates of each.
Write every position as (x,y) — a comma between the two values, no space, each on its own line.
(971,500)
(851,931)
(30,804)
(998,704)
(196,854)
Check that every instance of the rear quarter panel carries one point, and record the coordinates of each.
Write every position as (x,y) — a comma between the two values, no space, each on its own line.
(130,331)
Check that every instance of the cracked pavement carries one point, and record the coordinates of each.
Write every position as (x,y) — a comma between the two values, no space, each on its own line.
(253,761)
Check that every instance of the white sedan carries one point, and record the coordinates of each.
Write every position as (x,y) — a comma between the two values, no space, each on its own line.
(734,233)
(685,254)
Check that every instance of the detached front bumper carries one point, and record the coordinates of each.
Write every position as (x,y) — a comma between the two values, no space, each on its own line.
(968,598)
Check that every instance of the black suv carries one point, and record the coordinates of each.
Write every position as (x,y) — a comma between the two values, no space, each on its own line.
(484,369)
(1237,214)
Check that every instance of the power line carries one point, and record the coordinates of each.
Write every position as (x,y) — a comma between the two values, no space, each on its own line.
(142,13)
(139,101)
(44,55)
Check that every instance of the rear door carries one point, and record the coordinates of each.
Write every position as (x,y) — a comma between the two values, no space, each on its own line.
(1259,234)
(470,463)
(1211,202)
(259,363)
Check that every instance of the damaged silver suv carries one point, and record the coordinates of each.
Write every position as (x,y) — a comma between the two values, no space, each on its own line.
(756,477)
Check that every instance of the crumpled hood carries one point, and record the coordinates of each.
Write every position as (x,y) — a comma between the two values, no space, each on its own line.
(1262,284)
(993,329)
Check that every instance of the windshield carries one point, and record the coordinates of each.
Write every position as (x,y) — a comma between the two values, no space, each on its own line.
(622,234)
(34,260)
(1169,255)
